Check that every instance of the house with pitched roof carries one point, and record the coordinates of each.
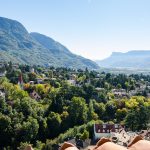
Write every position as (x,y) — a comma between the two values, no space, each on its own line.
(105,130)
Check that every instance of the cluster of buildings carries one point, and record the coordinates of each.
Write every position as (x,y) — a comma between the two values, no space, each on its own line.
(117,133)
(139,89)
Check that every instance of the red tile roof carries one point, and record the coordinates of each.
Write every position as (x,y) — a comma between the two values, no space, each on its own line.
(105,144)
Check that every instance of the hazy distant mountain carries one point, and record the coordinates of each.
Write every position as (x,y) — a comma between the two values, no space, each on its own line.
(18,46)
(132,59)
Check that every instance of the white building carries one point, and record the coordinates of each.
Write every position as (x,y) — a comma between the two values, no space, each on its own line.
(2,94)
(105,130)
(72,82)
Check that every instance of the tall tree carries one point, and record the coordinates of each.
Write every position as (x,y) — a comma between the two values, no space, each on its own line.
(77,111)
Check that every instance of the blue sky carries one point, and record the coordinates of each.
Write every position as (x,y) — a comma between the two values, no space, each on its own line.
(91,28)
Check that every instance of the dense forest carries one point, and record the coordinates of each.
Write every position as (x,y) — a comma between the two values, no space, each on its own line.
(67,104)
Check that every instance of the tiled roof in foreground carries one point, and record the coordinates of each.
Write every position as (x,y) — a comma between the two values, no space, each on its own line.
(105,144)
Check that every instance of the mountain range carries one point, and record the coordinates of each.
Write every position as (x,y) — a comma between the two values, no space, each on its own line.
(138,59)
(19,46)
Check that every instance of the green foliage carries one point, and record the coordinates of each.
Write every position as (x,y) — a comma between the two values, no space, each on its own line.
(32,76)
(91,113)
(53,123)
(39,145)
(66,110)
(138,118)
(121,114)
(5,130)
(23,146)
(78,111)
(85,131)
(99,108)
(110,110)
(29,130)
(85,135)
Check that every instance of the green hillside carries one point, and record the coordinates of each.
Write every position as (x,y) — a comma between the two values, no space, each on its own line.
(18,46)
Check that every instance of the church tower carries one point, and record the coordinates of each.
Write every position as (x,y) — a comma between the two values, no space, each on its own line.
(20,81)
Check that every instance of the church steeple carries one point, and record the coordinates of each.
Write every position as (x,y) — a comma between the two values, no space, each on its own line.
(20,81)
